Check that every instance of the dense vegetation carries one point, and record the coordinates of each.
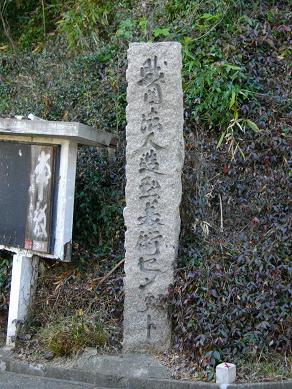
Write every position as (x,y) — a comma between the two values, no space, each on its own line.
(67,60)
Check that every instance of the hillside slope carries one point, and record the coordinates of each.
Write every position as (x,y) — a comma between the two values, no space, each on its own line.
(230,299)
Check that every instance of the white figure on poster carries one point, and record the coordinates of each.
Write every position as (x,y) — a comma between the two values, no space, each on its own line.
(40,221)
(43,174)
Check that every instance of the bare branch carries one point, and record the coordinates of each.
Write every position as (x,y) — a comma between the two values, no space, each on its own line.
(5,25)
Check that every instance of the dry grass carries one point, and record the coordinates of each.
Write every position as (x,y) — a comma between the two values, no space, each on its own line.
(72,310)
(274,367)
(67,335)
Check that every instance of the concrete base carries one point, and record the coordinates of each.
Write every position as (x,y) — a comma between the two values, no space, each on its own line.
(127,365)
(23,285)
(10,365)
(13,381)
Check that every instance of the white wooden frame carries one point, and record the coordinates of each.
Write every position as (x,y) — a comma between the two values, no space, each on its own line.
(65,196)
(25,262)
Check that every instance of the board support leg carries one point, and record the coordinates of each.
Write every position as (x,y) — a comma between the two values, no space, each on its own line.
(23,286)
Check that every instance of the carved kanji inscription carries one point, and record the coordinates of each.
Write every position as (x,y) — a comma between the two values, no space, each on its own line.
(155,150)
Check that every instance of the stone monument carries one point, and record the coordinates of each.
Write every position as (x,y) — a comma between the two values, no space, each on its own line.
(155,154)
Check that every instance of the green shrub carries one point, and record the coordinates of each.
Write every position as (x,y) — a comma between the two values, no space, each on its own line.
(98,225)
(232,285)
(215,91)
(85,21)
(5,274)
(4,97)
(215,81)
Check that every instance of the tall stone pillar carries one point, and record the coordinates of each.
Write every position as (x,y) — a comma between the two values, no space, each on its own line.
(155,154)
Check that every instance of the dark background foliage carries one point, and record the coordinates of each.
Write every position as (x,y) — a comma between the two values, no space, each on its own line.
(231,294)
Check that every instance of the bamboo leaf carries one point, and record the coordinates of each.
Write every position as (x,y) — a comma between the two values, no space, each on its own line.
(232,100)
(252,125)
(221,139)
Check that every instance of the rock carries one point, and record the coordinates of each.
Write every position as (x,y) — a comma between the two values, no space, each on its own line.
(48,355)
(124,365)
(155,155)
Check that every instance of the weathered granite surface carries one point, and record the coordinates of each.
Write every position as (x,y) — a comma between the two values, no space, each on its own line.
(155,154)
(123,365)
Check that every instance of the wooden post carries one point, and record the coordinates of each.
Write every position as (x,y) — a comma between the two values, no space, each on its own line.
(23,286)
